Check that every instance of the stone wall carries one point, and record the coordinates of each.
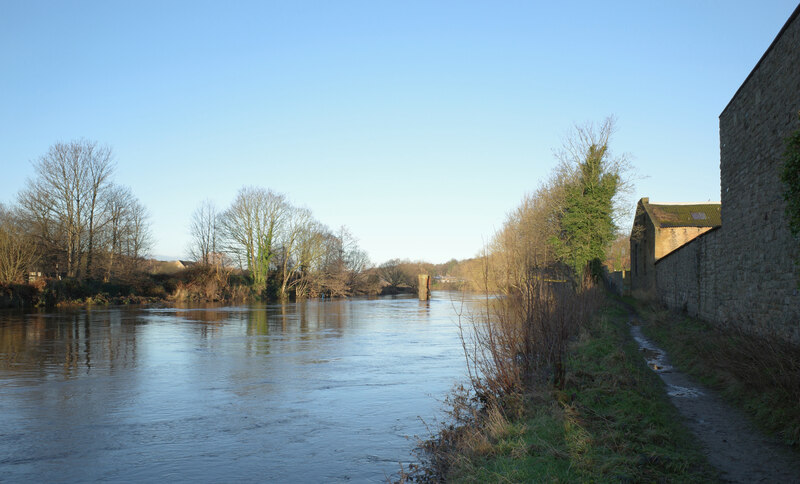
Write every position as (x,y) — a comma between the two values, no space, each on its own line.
(761,290)
(643,278)
(743,273)
(687,279)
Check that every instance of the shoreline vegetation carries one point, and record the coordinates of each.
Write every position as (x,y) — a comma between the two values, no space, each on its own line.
(209,284)
(75,236)
(609,421)
(558,390)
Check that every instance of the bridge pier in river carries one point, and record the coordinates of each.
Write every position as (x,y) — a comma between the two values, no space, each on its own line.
(424,287)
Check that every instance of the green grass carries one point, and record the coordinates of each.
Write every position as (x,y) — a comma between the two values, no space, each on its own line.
(612,423)
(760,376)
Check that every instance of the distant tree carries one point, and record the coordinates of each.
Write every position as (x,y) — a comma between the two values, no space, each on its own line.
(618,255)
(297,222)
(17,249)
(311,251)
(69,204)
(343,263)
(140,237)
(99,168)
(250,228)
(118,210)
(204,232)
(127,237)
(57,194)
(392,272)
(448,267)
(284,248)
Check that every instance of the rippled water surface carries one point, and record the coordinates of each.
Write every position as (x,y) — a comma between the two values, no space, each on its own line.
(314,391)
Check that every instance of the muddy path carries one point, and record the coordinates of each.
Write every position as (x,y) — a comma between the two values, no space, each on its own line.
(740,451)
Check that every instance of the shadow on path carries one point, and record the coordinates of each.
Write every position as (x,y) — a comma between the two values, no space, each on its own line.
(741,452)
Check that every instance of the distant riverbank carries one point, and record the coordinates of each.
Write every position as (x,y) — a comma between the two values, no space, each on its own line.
(188,286)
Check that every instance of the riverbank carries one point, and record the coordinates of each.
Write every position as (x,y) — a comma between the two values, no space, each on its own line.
(611,422)
(194,285)
(54,293)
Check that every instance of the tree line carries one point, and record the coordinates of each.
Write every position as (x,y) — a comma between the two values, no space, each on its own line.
(72,220)
(545,263)
(570,223)
(282,248)
(538,273)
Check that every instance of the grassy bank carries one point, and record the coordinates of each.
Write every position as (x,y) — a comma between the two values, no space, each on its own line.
(612,422)
(759,375)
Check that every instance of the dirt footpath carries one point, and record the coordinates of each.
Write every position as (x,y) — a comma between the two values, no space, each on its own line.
(741,452)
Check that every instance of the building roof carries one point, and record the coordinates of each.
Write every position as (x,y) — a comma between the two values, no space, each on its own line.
(683,214)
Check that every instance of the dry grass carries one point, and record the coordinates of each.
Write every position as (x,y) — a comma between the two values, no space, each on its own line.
(209,284)
(516,349)
(518,341)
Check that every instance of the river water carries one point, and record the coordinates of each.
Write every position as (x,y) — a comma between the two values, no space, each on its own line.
(314,391)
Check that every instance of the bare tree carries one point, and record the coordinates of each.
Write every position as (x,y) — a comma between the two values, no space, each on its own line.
(63,198)
(17,249)
(203,230)
(117,210)
(296,224)
(140,238)
(311,249)
(36,212)
(392,272)
(273,239)
(100,166)
(250,228)
(344,263)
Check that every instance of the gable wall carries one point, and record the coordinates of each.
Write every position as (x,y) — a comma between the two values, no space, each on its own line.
(670,238)
(643,242)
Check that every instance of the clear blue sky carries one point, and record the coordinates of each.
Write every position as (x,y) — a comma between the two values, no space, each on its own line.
(419,125)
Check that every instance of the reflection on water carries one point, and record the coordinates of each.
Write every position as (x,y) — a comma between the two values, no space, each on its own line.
(312,391)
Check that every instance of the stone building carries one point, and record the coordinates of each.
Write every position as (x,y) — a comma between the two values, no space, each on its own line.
(661,228)
(743,274)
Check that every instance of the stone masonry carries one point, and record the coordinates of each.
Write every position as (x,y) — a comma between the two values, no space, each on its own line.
(661,228)
(743,273)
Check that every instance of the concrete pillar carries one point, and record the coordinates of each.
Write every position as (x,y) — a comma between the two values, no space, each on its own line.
(424,287)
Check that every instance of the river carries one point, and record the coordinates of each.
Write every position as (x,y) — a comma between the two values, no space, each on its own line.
(313,391)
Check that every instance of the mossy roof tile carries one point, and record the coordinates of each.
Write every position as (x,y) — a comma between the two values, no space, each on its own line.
(684,215)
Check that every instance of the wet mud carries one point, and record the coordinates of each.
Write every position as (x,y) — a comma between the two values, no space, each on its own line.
(737,449)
